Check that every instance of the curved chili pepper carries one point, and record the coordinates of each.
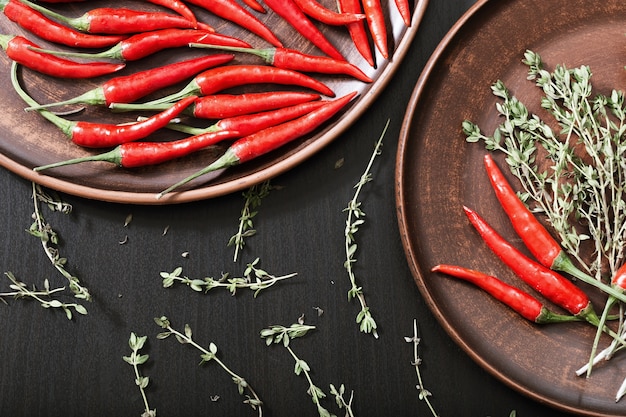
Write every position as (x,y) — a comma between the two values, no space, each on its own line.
(52,31)
(404,10)
(267,140)
(534,235)
(145,44)
(255,5)
(520,301)
(117,21)
(317,11)
(128,88)
(218,106)
(19,50)
(233,12)
(222,78)
(357,31)
(138,154)
(376,22)
(298,61)
(289,11)
(178,7)
(98,135)
(547,282)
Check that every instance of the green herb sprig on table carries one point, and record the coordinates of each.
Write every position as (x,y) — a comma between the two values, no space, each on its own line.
(208,355)
(254,278)
(21,290)
(354,220)
(423,393)
(49,238)
(253,198)
(135,359)
(284,335)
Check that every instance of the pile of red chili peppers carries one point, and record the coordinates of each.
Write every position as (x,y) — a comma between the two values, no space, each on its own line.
(541,274)
(104,40)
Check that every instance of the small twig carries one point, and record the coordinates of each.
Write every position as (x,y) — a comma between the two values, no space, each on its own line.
(424,394)
(252,400)
(254,278)
(135,359)
(353,222)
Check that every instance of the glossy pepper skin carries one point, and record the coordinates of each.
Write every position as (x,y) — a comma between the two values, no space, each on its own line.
(547,282)
(520,301)
(18,48)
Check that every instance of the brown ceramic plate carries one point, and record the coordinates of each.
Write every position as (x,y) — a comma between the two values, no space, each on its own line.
(27,141)
(438,172)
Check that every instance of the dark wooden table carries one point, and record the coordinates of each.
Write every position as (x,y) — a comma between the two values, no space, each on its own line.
(52,366)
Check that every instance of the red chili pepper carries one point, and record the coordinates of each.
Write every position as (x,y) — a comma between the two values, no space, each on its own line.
(534,235)
(19,50)
(357,30)
(290,11)
(52,31)
(138,154)
(317,11)
(376,22)
(233,12)
(145,44)
(295,60)
(404,10)
(267,140)
(98,135)
(222,78)
(619,279)
(178,7)
(218,106)
(520,301)
(255,5)
(117,21)
(248,124)
(547,282)
(128,88)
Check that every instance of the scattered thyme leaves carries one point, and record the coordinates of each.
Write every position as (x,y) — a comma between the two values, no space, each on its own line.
(135,359)
(253,198)
(354,220)
(208,355)
(254,278)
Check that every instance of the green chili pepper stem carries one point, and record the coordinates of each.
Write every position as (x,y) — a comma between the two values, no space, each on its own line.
(64,125)
(77,23)
(114,156)
(91,97)
(227,160)
(115,52)
(267,54)
(183,128)
(190,89)
(4,40)
(564,264)
(125,107)
(548,316)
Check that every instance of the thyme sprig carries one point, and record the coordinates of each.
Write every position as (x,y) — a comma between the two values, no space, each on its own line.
(254,278)
(283,335)
(253,198)
(135,360)
(50,239)
(423,393)
(208,355)
(354,220)
(341,401)
(44,297)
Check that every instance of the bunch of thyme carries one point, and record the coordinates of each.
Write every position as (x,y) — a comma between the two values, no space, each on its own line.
(208,355)
(354,220)
(135,359)
(254,278)
(253,198)
(580,188)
